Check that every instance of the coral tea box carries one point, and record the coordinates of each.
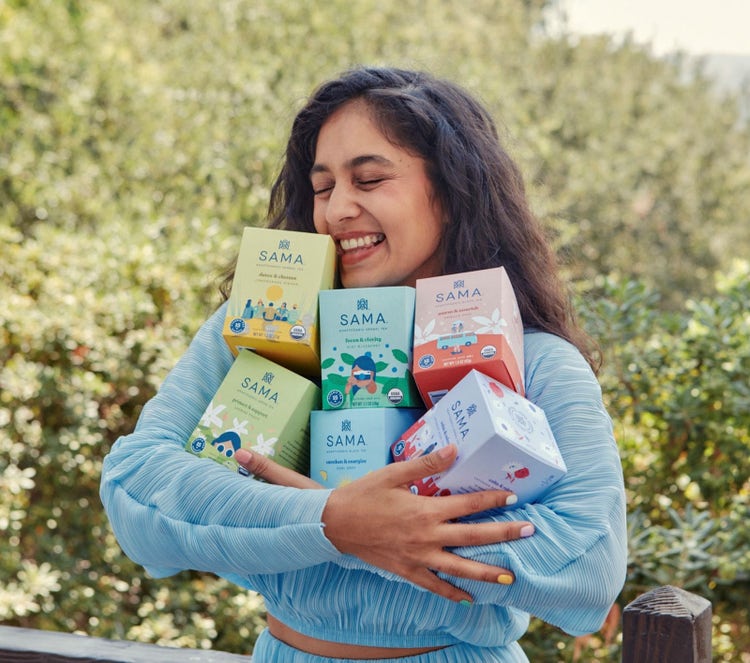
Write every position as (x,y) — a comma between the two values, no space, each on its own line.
(462,322)
(347,444)
(504,442)
(273,305)
(365,346)
(259,406)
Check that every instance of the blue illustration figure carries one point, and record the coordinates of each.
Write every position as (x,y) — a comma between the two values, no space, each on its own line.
(282,313)
(249,311)
(292,314)
(362,376)
(227,443)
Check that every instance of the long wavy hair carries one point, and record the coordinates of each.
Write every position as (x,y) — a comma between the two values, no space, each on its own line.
(488,221)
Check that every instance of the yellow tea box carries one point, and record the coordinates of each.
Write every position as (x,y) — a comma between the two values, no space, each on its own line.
(365,346)
(462,322)
(504,442)
(260,406)
(347,444)
(273,305)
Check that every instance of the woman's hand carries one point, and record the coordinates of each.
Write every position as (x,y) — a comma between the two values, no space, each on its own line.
(380,521)
(260,466)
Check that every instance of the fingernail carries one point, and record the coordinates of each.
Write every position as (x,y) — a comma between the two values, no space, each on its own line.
(243,456)
(444,452)
(527,530)
(511,499)
(465,602)
(505,579)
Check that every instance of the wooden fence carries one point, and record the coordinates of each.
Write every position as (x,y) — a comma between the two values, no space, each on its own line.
(665,625)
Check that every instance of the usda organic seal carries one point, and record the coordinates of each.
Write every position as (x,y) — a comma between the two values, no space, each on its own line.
(298,332)
(395,396)
(488,351)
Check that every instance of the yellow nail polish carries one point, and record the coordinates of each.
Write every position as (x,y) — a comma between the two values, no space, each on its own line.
(505,579)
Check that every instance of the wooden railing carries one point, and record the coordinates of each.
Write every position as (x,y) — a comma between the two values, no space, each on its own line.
(665,625)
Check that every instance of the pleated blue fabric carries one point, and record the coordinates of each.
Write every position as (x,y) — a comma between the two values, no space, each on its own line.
(172,511)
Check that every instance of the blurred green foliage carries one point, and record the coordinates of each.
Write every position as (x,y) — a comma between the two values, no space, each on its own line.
(136,140)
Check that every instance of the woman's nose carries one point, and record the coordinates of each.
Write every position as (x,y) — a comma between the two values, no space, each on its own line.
(342,205)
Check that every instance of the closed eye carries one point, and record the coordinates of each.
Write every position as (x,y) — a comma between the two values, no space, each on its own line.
(370,183)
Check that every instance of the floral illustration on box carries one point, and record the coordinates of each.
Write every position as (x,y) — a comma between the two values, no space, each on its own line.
(220,442)
(491,325)
(425,335)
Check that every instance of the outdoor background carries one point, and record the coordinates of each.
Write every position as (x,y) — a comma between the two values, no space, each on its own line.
(138,138)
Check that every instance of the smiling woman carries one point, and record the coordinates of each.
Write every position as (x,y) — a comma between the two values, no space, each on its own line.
(395,166)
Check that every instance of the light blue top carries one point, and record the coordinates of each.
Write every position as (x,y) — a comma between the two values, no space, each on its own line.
(171,510)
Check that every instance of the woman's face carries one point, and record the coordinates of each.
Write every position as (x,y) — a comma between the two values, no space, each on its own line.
(375,200)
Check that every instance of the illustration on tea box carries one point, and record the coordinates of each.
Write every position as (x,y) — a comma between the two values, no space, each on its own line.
(219,438)
(364,382)
(271,317)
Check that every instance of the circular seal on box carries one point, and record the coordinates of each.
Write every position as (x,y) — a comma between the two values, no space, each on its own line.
(237,326)
(426,361)
(198,444)
(395,395)
(298,332)
(488,351)
(521,420)
(398,449)
(335,398)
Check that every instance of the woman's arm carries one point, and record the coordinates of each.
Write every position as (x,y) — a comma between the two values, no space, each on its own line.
(571,571)
(171,510)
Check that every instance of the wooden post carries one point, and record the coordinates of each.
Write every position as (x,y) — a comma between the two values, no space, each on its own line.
(667,625)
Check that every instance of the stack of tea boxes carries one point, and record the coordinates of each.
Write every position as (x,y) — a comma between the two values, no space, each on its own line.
(336,383)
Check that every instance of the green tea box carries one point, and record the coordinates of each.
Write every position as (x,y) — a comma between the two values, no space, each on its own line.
(347,444)
(260,406)
(273,305)
(365,345)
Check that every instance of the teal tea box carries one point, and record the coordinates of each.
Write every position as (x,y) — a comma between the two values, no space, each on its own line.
(260,406)
(347,444)
(366,338)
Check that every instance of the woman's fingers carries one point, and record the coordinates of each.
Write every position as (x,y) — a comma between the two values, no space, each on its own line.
(263,467)
(407,471)
(456,535)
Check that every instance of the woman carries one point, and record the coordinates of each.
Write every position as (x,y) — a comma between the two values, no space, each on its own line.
(406,174)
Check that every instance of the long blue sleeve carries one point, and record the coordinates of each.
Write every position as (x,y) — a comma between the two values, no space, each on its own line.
(572,569)
(172,511)
(578,555)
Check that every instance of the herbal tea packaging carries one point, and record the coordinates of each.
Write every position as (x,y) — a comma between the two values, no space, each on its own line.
(462,322)
(273,304)
(347,444)
(365,346)
(504,442)
(260,406)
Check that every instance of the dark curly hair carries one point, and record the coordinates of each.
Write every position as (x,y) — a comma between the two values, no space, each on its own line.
(478,186)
